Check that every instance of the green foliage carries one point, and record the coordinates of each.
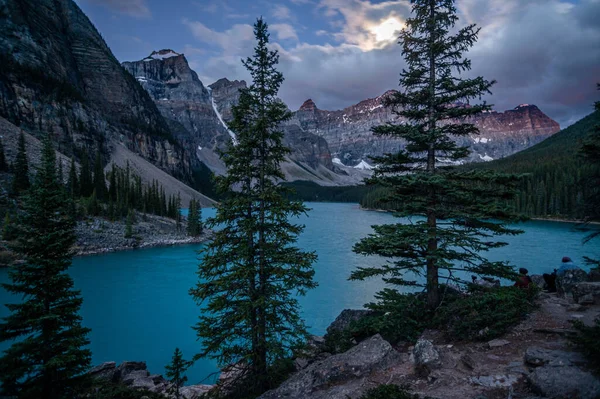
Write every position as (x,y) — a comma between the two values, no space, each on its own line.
(389,391)
(485,313)
(73,182)
(9,232)
(92,207)
(86,183)
(99,178)
(46,358)
(251,273)
(176,372)
(559,181)
(3,163)
(20,169)
(129,225)
(396,317)
(194,227)
(203,180)
(587,340)
(453,207)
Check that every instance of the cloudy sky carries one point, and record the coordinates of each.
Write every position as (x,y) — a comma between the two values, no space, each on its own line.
(339,52)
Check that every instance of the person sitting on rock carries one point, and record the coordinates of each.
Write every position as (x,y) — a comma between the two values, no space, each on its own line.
(567,264)
(524,280)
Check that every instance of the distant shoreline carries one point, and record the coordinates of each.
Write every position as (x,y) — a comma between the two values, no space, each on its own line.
(156,244)
(546,219)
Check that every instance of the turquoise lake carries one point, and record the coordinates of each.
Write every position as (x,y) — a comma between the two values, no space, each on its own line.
(138,307)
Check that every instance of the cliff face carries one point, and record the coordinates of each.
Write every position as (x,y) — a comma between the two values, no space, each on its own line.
(348,131)
(307,147)
(180,97)
(58,76)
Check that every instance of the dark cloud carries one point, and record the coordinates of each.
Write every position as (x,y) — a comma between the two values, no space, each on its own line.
(134,8)
(543,52)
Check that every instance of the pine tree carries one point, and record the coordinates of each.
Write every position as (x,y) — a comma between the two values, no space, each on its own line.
(3,164)
(86,184)
(99,178)
(129,224)
(176,373)
(21,168)
(48,358)
(194,227)
(73,183)
(591,152)
(455,206)
(251,272)
(178,211)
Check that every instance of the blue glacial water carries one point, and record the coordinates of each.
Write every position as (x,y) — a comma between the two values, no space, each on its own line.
(138,307)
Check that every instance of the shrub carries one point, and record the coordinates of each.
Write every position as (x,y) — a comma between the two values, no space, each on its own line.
(389,391)
(396,316)
(485,313)
(587,340)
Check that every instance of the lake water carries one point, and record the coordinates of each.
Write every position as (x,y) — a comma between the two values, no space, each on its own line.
(138,307)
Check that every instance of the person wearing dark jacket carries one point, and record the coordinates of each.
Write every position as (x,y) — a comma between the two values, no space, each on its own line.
(524,280)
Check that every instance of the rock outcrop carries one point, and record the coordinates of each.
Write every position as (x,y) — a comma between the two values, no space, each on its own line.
(340,376)
(348,131)
(181,98)
(136,375)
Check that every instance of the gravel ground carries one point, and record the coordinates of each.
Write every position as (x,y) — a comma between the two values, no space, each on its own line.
(97,235)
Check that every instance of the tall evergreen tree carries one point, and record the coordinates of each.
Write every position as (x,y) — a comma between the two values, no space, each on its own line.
(194,227)
(455,206)
(86,184)
(176,372)
(73,183)
(3,164)
(591,152)
(251,272)
(99,178)
(48,358)
(178,211)
(21,168)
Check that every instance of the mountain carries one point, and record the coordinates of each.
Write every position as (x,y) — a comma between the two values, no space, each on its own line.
(555,184)
(199,115)
(348,131)
(58,76)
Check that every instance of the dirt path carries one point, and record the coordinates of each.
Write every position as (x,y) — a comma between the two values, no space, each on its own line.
(478,370)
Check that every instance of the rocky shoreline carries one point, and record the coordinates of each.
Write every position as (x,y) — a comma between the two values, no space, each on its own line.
(98,235)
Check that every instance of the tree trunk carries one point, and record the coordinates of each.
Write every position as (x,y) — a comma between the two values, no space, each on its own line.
(432,268)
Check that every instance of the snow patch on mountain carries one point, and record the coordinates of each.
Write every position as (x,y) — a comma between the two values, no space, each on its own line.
(214,105)
(486,157)
(364,166)
(337,161)
(481,140)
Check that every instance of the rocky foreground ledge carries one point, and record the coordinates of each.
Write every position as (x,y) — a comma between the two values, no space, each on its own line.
(136,375)
(97,235)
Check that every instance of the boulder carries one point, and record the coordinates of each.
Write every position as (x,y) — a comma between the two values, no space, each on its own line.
(567,282)
(497,343)
(194,391)
(104,371)
(495,381)
(587,293)
(425,356)
(564,382)
(536,357)
(538,280)
(339,376)
(345,318)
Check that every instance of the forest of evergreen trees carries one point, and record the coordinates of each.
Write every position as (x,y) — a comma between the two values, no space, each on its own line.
(87,186)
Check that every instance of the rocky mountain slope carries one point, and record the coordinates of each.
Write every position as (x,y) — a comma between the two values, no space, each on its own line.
(348,131)
(202,113)
(58,76)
